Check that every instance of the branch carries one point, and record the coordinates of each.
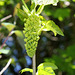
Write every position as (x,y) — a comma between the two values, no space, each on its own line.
(5,40)
(5,18)
(50,37)
(7,65)
(9,33)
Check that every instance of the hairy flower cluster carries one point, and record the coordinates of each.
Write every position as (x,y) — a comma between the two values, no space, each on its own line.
(31,31)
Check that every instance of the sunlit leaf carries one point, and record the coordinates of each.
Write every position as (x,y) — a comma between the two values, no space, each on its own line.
(46,71)
(73,67)
(22,15)
(47,64)
(25,10)
(9,26)
(46,68)
(25,5)
(45,2)
(26,70)
(20,37)
(73,0)
(1,3)
(50,25)
(32,6)
(15,9)
(4,51)
(40,9)
(48,11)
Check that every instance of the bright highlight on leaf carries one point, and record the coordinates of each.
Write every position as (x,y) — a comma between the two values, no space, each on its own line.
(15,9)
(43,69)
(9,26)
(47,64)
(26,70)
(22,15)
(4,51)
(51,26)
(1,3)
(46,69)
(20,37)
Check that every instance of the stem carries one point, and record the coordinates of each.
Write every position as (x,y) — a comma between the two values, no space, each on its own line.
(34,64)
(15,19)
(10,31)
(5,18)
(5,41)
(7,65)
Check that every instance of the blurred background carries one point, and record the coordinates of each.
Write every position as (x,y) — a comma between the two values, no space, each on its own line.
(59,50)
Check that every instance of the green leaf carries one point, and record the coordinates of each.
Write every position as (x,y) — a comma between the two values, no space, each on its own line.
(4,51)
(25,5)
(22,14)
(50,25)
(46,71)
(32,6)
(9,26)
(20,37)
(26,70)
(15,9)
(45,2)
(71,51)
(25,10)
(47,65)
(73,0)
(1,3)
(46,68)
(40,9)
(60,14)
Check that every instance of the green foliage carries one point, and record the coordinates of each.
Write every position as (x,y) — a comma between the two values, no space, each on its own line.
(50,25)
(25,6)
(26,70)
(22,15)
(43,68)
(47,64)
(63,15)
(1,3)
(59,14)
(19,34)
(73,0)
(46,68)
(45,71)
(66,58)
(71,51)
(9,26)
(4,51)
(20,37)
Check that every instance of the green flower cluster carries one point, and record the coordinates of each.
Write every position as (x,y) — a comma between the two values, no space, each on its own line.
(32,32)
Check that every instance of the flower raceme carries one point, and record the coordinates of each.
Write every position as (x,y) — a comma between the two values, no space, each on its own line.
(32,31)
(34,24)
